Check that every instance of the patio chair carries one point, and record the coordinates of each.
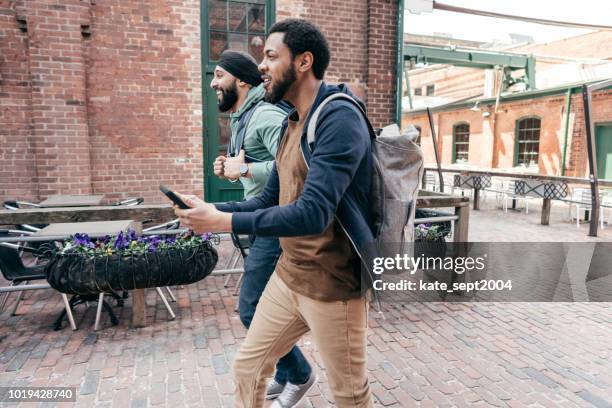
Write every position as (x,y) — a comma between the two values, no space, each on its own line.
(432,180)
(174,224)
(170,225)
(17,205)
(583,203)
(604,203)
(129,202)
(242,244)
(498,186)
(510,194)
(14,270)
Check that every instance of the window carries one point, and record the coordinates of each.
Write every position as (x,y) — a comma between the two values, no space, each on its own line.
(239,25)
(417,92)
(527,142)
(430,90)
(461,142)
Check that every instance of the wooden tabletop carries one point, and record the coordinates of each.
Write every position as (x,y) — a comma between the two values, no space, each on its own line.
(72,201)
(93,229)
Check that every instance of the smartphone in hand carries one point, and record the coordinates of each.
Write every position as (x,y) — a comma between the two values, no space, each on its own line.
(173,197)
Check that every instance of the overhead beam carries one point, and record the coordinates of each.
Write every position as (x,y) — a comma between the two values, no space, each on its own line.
(467,58)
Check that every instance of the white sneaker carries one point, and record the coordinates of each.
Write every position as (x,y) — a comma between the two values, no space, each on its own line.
(274,390)
(293,394)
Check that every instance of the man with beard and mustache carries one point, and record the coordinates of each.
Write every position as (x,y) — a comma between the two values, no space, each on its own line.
(317,200)
(255,128)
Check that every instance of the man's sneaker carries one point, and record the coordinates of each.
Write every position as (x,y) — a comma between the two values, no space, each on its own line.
(294,393)
(274,390)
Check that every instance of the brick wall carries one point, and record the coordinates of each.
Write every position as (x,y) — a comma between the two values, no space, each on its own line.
(145,97)
(601,112)
(17,159)
(382,40)
(363,37)
(101,98)
(104,97)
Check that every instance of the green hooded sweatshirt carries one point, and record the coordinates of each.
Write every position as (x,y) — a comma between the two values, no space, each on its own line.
(260,139)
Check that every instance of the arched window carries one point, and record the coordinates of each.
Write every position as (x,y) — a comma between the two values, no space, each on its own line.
(461,142)
(527,146)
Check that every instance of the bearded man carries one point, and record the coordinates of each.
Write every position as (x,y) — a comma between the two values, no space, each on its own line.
(255,126)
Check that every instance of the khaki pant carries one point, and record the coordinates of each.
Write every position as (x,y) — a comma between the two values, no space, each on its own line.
(338,328)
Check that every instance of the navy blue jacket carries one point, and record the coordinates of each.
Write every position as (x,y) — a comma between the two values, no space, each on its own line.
(338,182)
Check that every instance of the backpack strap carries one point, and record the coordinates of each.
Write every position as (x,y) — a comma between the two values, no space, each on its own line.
(312,123)
(235,145)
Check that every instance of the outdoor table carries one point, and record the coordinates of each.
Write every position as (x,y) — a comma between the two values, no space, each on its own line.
(547,190)
(72,201)
(93,229)
(476,181)
(99,229)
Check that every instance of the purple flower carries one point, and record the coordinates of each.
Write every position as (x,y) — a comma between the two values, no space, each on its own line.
(121,241)
(132,235)
(152,243)
(170,240)
(83,240)
(206,236)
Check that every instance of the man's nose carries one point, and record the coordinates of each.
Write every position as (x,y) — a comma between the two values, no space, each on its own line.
(262,67)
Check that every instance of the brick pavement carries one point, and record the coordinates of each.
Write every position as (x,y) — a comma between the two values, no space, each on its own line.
(420,354)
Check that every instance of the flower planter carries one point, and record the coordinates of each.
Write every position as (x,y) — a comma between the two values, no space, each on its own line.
(90,267)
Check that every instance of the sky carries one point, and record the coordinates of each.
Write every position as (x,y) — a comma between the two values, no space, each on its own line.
(487,29)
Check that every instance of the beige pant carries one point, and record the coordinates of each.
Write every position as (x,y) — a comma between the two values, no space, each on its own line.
(282,317)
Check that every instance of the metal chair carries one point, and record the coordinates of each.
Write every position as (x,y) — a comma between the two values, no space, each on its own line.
(170,225)
(584,204)
(17,205)
(242,245)
(511,194)
(129,202)
(14,270)
(431,180)
(498,186)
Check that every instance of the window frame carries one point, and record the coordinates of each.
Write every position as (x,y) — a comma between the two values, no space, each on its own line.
(455,126)
(518,142)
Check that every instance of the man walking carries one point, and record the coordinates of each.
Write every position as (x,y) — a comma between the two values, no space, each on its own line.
(317,200)
(255,128)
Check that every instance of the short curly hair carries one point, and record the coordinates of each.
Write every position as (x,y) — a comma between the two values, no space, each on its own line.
(301,36)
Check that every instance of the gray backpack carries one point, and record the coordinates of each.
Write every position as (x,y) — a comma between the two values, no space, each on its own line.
(398,169)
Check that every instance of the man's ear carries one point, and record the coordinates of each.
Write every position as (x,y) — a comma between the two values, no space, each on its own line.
(242,84)
(304,61)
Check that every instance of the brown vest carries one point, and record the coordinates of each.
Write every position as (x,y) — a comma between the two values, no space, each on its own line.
(324,266)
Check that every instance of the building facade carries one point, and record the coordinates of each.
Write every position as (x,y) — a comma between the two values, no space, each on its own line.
(536,131)
(111,97)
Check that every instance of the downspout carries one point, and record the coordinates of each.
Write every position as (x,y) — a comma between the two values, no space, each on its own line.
(407,77)
(568,105)
(399,68)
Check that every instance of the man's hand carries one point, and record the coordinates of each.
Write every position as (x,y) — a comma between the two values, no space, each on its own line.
(202,216)
(231,168)
(218,166)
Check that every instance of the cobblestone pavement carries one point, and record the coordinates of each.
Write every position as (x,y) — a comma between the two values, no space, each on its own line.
(420,354)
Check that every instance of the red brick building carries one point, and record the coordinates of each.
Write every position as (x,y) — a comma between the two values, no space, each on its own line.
(527,126)
(111,96)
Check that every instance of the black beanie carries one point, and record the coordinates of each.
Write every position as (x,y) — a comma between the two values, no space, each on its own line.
(241,65)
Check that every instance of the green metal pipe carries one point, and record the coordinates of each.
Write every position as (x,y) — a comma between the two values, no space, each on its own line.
(399,68)
(407,77)
(568,105)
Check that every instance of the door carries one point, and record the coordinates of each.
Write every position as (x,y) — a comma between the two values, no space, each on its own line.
(226,24)
(603,147)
